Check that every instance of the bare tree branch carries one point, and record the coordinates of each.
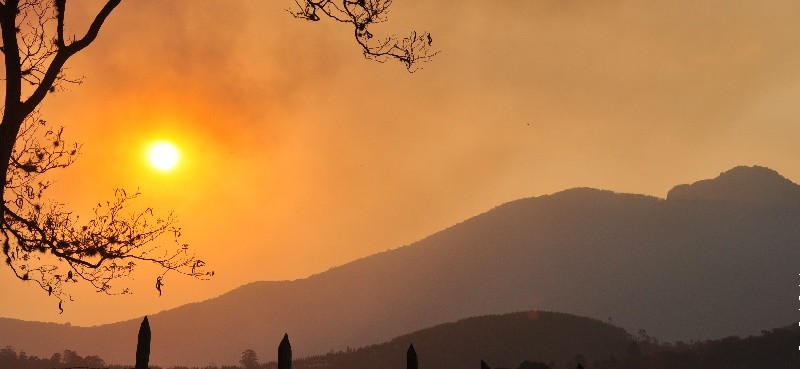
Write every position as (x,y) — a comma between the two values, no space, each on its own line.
(361,14)
(64,52)
(43,242)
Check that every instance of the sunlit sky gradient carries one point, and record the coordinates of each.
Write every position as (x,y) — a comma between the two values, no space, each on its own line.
(298,155)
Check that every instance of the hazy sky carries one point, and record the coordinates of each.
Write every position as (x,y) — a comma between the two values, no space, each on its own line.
(300,155)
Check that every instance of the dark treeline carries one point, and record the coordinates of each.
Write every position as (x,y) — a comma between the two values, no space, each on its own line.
(775,349)
(11,359)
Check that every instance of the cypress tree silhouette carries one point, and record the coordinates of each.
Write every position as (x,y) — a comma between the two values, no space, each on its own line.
(143,345)
(285,353)
(411,358)
(579,366)
(484,365)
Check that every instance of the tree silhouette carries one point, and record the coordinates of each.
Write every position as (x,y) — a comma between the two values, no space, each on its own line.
(411,358)
(42,240)
(143,345)
(249,359)
(45,242)
(285,353)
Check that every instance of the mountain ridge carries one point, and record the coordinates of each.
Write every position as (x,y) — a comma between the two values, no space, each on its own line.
(753,185)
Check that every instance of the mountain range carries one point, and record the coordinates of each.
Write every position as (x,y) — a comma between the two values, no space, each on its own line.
(715,258)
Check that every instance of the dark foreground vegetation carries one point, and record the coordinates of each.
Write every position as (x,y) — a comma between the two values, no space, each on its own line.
(11,359)
(522,340)
(775,349)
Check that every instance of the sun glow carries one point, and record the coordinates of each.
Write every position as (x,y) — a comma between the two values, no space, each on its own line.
(163,156)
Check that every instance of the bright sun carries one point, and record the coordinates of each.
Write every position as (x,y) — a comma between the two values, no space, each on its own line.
(163,156)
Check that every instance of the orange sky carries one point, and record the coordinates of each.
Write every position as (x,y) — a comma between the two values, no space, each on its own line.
(300,155)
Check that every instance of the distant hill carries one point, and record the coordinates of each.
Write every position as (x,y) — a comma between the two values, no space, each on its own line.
(715,258)
(505,341)
(500,340)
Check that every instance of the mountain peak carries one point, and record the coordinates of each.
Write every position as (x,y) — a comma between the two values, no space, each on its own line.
(742,184)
